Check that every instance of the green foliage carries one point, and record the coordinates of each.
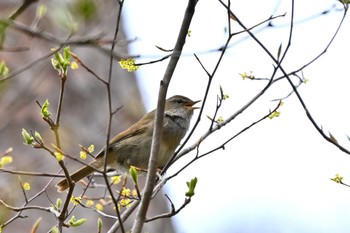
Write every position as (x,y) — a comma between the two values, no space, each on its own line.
(45,113)
(28,139)
(191,186)
(134,174)
(4,70)
(73,222)
(99,225)
(61,62)
(85,9)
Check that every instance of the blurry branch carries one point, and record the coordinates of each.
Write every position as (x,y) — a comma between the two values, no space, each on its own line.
(88,40)
(88,69)
(159,118)
(111,112)
(20,209)
(30,65)
(173,211)
(18,215)
(25,4)
(43,174)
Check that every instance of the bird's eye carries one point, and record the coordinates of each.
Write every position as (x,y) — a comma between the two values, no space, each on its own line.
(179,101)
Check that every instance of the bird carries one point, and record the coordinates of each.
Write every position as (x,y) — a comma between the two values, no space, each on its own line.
(132,146)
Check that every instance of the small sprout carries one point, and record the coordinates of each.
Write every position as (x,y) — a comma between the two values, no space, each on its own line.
(28,139)
(26,186)
(91,148)
(191,186)
(116,179)
(189,32)
(58,204)
(99,225)
(89,203)
(247,76)
(75,200)
(59,156)
(220,120)
(41,11)
(4,70)
(45,113)
(134,174)
(38,136)
(337,179)
(223,96)
(75,223)
(82,155)
(274,114)
(305,80)
(99,206)
(61,62)
(128,64)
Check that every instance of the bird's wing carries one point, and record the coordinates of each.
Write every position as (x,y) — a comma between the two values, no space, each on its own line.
(134,130)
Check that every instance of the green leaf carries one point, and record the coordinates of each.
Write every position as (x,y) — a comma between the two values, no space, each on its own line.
(191,186)
(38,136)
(66,53)
(75,223)
(99,225)
(45,109)
(28,139)
(134,174)
(4,70)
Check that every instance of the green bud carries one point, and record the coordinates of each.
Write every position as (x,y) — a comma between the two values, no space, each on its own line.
(75,223)
(28,139)
(38,136)
(134,174)
(58,202)
(191,186)
(99,224)
(67,54)
(45,109)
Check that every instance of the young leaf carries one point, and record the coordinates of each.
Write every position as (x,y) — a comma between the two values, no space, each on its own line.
(28,139)
(134,174)
(191,186)
(45,109)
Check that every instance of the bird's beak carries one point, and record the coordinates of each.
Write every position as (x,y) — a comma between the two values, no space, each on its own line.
(190,105)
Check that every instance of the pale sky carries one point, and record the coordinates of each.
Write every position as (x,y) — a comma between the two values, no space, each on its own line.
(276,176)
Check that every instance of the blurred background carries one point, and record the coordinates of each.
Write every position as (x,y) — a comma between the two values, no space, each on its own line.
(273,178)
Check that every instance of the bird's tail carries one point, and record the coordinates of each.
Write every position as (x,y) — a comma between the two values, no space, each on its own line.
(76,176)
